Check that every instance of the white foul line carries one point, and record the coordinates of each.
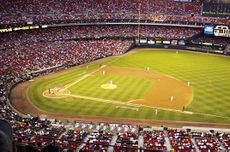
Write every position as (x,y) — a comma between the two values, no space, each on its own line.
(105,100)
(82,78)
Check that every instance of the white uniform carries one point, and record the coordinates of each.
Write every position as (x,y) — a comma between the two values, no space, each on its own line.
(156,111)
(171,98)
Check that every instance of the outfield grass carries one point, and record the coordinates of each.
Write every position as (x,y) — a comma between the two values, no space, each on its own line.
(208,74)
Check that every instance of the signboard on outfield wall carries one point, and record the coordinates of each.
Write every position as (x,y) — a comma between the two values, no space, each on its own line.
(151,42)
(166,42)
(222,30)
(143,41)
(174,42)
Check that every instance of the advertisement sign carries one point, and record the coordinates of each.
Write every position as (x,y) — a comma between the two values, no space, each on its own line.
(222,30)
(209,29)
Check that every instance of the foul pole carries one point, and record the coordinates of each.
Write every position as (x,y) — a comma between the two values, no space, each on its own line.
(139,20)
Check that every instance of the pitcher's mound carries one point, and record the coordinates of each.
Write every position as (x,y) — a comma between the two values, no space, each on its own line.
(109,86)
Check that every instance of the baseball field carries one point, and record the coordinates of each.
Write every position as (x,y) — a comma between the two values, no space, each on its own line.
(148,84)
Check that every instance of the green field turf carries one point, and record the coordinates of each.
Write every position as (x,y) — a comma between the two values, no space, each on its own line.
(124,91)
(208,74)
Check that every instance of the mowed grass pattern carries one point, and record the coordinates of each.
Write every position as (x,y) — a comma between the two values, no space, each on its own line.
(124,92)
(208,74)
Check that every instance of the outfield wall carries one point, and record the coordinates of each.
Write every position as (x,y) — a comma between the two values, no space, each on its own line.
(189,47)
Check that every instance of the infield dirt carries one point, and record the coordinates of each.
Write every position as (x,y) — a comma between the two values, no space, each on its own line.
(163,88)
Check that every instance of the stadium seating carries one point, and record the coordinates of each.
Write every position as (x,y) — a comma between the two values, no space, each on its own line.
(31,11)
(126,142)
(71,139)
(70,52)
(216,9)
(224,138)
(114,6)
(180,140)
(23,52)
(154,140)
(207,144)
(15,39)
(98,141)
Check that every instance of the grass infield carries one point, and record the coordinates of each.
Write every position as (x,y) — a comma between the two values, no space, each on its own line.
(138,83)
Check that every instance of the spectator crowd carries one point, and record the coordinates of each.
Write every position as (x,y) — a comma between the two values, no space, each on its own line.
(21,11)
(24,52)
(15,39)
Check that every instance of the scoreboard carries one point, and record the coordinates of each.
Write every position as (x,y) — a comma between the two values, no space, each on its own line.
(217,30)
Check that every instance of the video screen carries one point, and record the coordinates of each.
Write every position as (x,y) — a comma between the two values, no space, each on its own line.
(209,29)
